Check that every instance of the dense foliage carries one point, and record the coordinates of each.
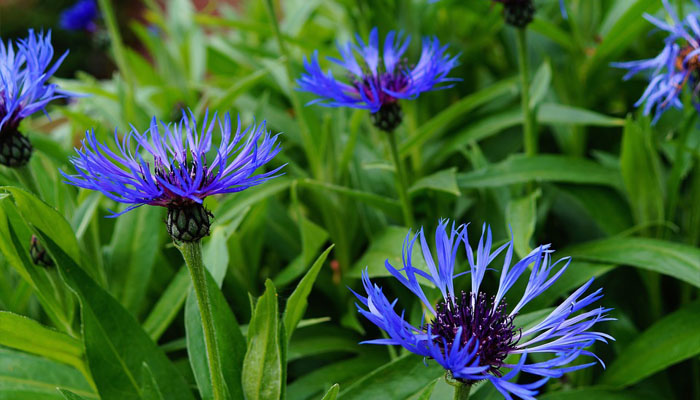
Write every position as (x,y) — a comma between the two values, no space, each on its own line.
(103,307)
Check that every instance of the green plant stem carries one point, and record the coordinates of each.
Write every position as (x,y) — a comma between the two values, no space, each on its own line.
(529,132)
(115,38)
(462,392)
(675,178)
(307,139)
(192,252)
(26,178)
(401,181)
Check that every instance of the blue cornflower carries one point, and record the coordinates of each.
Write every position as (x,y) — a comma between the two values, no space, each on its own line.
(25,67)
(471,334)
(80,16)
(377,82)
(678,63)
(176,172)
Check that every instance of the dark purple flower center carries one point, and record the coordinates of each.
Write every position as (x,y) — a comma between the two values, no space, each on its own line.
(693,64)
(372,86)
(175,175)
(493,328)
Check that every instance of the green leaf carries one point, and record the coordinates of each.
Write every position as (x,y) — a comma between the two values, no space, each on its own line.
(21,333)
(541,168)
(456,111)
(15,250)
(296,305)
(673,259)
(441,181)
(674,338)
(399,379)
(390,206)
(332,393)
(68,395)
(312,238)
(386,246)
(540,84)
(115,345)
(168,306)
(149,385)
(39,214)
(136,235)
(627,29)
(230,340)
(521,216)
(262,369)
(552,113)
(641,174)
(27,377)
(597,394)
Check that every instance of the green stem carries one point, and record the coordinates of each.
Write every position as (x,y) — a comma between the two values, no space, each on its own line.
(26,178)
(401,181)
(462,392)
(461,389)
(307,139)
(529,132)
(675,178)
(117,44)
(192,252)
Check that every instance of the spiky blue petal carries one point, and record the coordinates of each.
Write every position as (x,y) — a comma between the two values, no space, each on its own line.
(564,334)
(671,69)
(175,163)
(378,79)
(25,68)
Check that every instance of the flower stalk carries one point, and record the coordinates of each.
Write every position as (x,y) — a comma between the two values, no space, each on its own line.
(401,181)
(192,253)
(529,132)
(461,389)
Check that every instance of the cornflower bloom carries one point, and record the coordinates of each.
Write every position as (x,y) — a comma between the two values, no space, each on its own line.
(471,333)
(25,68)
(677,65)
(177,173)
(80,16)
(376,83)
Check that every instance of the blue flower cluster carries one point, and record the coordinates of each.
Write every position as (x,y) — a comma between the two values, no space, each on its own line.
(25,68)
(178,171)
(378,80)
(80,16)
(677,65)
(474,335)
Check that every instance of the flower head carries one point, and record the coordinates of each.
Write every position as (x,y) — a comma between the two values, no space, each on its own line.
(471,333)
(378,81)
(80,16)
(25,68)
(179,168)
(676,66)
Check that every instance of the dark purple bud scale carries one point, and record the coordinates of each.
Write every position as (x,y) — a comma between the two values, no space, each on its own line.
(188,222)
(38,253)
(518,13)
(15,148)
(388,117)
(492,327)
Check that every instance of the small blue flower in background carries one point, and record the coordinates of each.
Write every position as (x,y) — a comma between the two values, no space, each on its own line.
(25,67)
(176,172)
(378,81)
(676,66)
(472,333)
(80,16)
